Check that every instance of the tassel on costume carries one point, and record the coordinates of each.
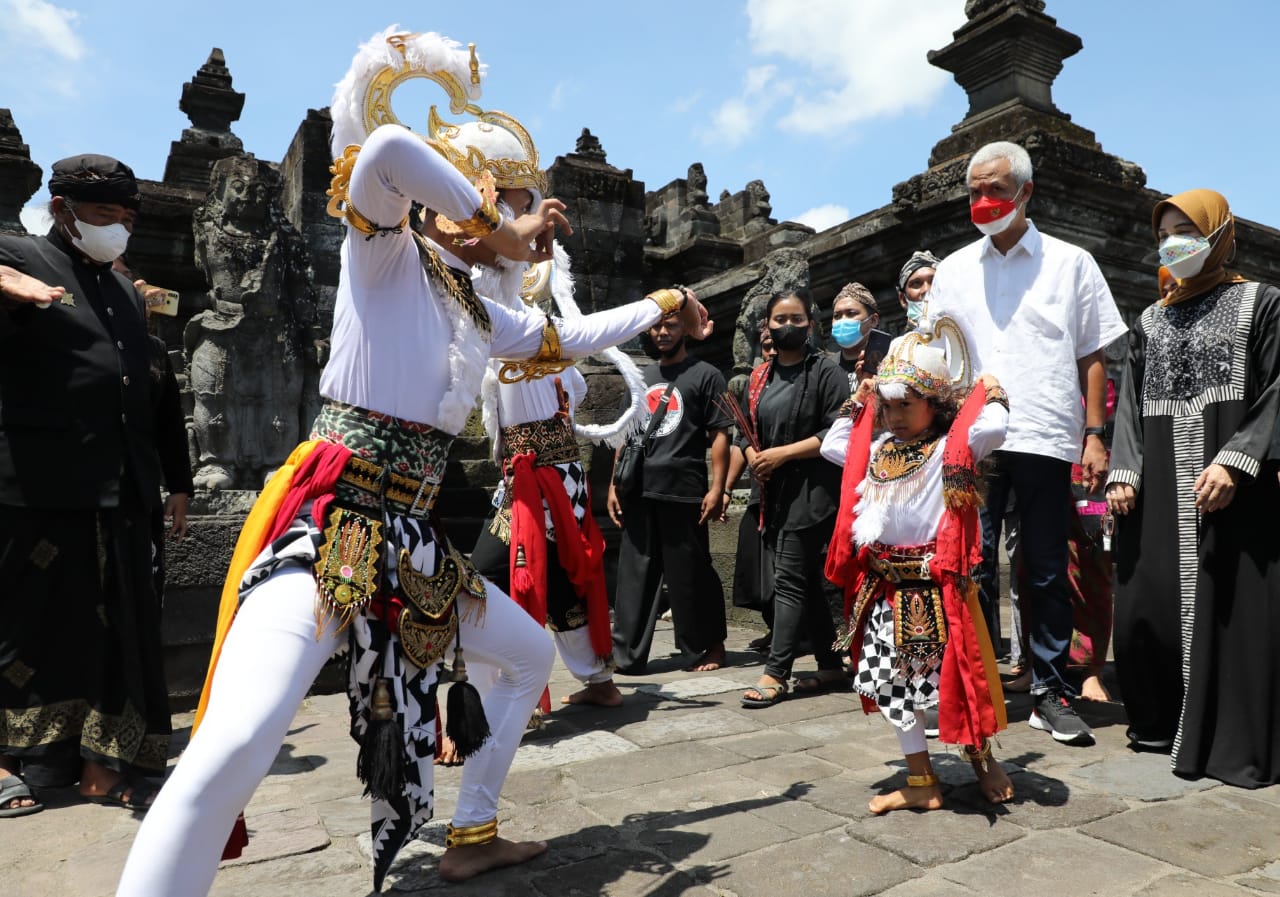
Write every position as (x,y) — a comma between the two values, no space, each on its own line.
(237,841)
(380,764)
(467,728)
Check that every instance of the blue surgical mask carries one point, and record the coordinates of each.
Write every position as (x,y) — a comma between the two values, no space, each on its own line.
(915,311)
(847,332)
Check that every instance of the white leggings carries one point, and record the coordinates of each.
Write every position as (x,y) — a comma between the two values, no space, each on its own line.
(913,740)
(268,662)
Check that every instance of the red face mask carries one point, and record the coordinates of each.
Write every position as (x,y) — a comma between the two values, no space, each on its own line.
(989,209)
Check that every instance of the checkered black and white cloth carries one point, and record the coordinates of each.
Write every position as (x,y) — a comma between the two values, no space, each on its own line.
(880,679)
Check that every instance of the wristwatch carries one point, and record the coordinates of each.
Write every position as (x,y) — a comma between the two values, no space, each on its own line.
(1100,432)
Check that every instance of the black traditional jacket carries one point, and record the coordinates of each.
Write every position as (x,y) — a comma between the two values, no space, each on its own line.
(76,421)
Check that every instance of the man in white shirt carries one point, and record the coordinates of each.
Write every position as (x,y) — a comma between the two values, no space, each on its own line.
(1038,316)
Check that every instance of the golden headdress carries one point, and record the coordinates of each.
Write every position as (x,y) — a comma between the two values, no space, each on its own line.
(494,151)
(931,361)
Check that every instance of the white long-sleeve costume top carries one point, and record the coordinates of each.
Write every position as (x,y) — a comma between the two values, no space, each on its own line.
(530,400)
(913,516)
(391,327)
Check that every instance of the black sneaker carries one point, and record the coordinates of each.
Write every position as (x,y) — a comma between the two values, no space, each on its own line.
(931,722)
(1054,714)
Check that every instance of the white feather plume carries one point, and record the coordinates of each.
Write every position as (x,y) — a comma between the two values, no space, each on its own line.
(425,52)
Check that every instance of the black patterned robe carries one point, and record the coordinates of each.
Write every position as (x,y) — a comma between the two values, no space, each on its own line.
(1198,601)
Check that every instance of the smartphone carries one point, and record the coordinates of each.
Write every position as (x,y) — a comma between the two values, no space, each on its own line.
(877,347)
(165,302)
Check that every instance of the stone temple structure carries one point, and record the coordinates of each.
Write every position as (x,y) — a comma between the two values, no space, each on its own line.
(248,245)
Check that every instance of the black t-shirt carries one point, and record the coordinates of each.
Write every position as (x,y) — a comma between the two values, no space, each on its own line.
(675,465)
(801,400)
(848,365)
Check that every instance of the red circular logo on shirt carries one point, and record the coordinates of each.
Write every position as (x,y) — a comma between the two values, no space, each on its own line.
(675,409)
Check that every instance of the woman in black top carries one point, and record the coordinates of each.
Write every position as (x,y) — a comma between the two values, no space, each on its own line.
(792,401)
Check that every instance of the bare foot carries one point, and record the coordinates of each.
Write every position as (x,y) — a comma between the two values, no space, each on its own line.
(601,694)
(462,863)
(17,802)
(927,797)
(447,753)
(1092,689)
(712,659)
(97,780)
(25,288)
(994,781)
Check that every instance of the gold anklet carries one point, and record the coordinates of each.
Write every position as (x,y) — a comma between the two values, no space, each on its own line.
(980,755)
(471,834)
(925,781)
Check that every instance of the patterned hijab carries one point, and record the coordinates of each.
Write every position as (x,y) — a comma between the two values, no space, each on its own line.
(1208,211)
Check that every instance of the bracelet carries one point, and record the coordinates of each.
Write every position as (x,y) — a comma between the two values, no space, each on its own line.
(1100,432)
(669,301)
(996,395)
(463,836)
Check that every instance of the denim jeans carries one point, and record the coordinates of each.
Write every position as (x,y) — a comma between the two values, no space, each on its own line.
(1042,490)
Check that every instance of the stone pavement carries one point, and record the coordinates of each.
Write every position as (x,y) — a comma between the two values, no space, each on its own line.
(683,792)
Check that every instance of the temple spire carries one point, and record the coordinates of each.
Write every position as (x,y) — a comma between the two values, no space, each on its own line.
(1008,52)
(19,176)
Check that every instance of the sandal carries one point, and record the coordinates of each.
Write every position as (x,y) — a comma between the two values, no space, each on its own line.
(140,797)
(12,788)
(768,695)
(820,684)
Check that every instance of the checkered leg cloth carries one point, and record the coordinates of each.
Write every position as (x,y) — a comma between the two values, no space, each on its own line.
(574,479)
(879,678)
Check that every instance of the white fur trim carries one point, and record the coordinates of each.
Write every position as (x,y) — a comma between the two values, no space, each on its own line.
(616,433)
(468,360)
(426,52)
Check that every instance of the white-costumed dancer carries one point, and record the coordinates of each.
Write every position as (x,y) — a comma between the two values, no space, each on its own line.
(342,548)
(542,543)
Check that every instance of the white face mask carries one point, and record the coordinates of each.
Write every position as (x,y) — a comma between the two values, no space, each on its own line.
(102,243)
(1185,256)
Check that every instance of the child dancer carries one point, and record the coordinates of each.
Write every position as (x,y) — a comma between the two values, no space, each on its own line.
(906,545)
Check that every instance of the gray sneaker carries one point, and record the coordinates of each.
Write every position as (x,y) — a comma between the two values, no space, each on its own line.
(1054,714)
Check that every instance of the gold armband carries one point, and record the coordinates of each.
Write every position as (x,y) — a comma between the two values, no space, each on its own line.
(548,360)
(997,396)
(668,300)
(484,222)
(340,206)
(462,836)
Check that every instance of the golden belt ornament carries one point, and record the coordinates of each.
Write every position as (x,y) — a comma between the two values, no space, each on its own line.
(429,620)
(544,364)
(348,563)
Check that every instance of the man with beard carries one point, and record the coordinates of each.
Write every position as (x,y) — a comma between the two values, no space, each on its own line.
(664,523)
(82,691)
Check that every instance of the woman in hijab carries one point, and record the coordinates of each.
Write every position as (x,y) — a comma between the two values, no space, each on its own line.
(1197,608)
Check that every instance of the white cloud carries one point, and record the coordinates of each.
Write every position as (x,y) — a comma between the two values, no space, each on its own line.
(731,124)
(850,62)
(38,24)
(681,105)
(35,218)
(822,217)
(735,119)
(558,93)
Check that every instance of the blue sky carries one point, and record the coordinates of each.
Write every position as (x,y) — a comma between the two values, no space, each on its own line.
(830,102)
